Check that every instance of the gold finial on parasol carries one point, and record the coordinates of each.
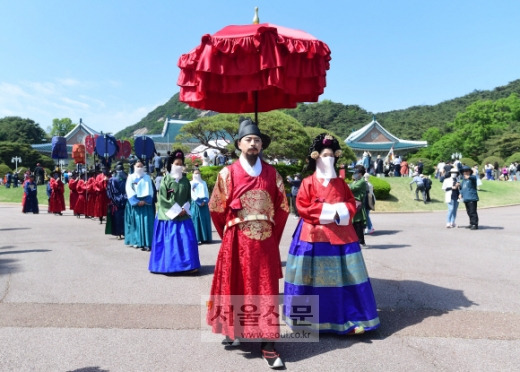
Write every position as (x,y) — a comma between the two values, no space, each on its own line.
(256,20)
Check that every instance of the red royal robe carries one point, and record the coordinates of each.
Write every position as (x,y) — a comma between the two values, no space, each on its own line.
(249,214)
(101,205)
(91,196)
(57,199)
(81,204)
(73,196)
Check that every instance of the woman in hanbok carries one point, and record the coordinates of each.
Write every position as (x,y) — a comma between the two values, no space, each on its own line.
(199,208)
(139,214)
(325,263)
(30,203)
(174,246)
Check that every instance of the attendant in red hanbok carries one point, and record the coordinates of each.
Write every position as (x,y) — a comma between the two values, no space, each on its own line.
(57,198)
(73,195)
(91,195)
(102,201)
(249,209)
(81,204)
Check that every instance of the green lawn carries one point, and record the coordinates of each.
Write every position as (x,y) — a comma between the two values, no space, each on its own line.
(491,194)
(14,195)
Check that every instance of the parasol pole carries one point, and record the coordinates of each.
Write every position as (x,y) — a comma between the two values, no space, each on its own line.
(255,96)
(256,20)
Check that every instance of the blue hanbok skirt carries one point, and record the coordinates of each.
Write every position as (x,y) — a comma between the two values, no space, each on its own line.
(337,276)
(174,247)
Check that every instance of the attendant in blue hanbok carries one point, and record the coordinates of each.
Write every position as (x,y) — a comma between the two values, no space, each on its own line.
(139,210)
(174,247)
(117,201)
(30,203)
(199,208)
(325,259)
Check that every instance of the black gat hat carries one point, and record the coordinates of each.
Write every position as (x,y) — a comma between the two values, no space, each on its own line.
(248,127)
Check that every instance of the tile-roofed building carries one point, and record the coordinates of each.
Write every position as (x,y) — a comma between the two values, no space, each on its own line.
(374,138)
(76,135)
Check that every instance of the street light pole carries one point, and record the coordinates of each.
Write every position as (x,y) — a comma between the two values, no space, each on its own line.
(15,160)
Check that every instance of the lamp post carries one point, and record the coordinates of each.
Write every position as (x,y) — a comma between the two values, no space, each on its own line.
(456,155)
(16,160)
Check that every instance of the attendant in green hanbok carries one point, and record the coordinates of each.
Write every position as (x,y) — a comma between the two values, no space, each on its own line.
(139,210)
(199,208)
(174,246)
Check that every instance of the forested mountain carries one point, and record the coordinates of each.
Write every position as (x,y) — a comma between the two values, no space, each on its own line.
(154,121)
(410,123)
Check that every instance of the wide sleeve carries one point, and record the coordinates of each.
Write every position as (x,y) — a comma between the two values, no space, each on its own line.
(218,203)
(72,184)
(281,208)
(308,204)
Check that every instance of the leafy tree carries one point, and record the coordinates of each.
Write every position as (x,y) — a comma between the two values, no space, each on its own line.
(288,137)
(513,158)
(208,130)
(16,129)
(60,127)
(29,156)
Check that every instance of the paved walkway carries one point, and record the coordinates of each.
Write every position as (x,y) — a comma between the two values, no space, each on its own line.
(73,299)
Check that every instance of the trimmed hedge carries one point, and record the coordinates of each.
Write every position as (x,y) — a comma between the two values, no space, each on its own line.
(381,188)
(428,165)
(513,158)
(210,173)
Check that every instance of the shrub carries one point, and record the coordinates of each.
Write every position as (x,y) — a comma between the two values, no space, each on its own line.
(513,158)
(428,165)
(381,188)
(4,168)
(491,160)
(469,162)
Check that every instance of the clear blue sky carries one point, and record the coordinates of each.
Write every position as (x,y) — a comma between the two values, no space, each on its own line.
(111,62)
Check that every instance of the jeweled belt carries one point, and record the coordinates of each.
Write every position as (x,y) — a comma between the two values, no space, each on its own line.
(251,217)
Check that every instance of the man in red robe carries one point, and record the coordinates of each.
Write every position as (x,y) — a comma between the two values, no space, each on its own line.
(101,204)
(73,196)
(57,199)
(249,209)
(91,195)
(80,207)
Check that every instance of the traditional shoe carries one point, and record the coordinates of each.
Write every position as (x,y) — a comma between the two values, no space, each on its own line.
(229,342)
(448,226)
(272,359)
(359,330)
(473,227)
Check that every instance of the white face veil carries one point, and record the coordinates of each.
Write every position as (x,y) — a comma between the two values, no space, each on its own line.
(325,167)
(176,171)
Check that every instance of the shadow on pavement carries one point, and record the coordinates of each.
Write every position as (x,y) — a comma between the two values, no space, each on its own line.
(88,369)
(8,266)
(386,246)
(384,232)
(27,251)
(15,228)
(401,304)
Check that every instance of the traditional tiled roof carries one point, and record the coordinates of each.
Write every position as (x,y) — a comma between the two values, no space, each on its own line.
(81,126)
(373,137)
(170,130)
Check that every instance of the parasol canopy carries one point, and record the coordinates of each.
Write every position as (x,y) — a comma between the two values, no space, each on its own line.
(253,68)
(59,148)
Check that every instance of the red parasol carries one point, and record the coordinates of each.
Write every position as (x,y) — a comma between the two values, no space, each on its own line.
(253,68)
